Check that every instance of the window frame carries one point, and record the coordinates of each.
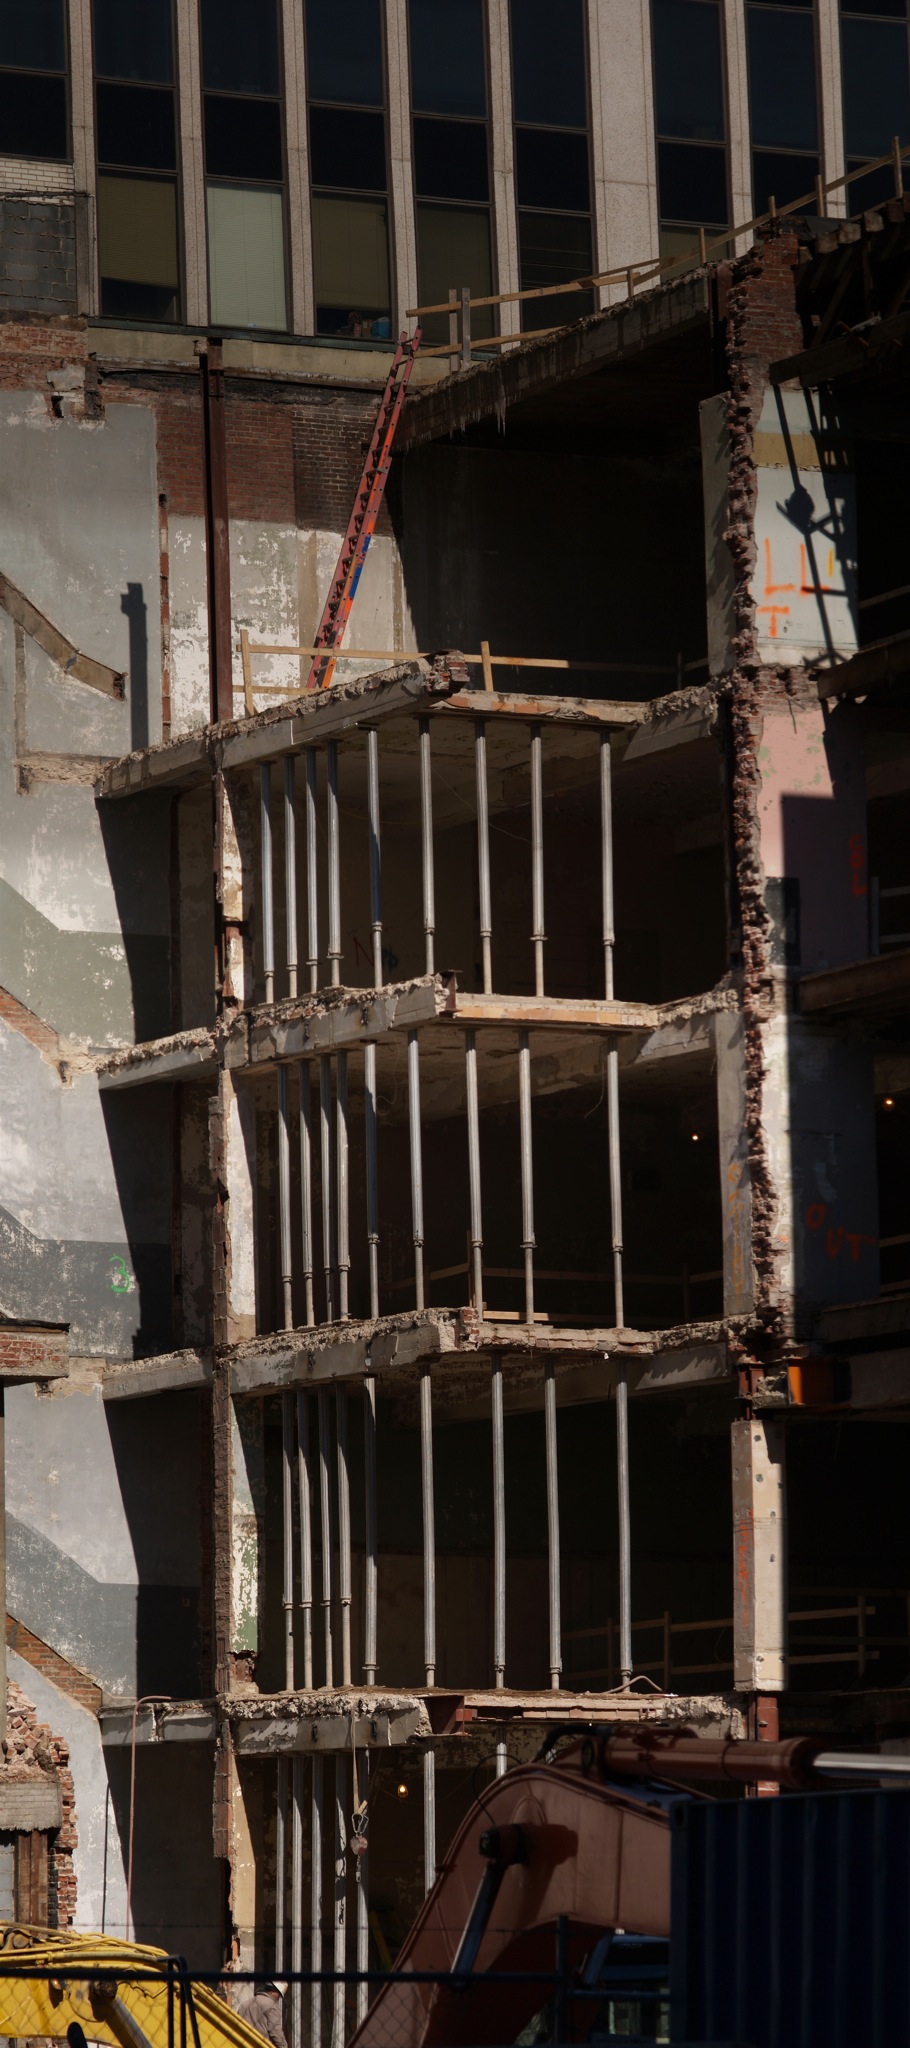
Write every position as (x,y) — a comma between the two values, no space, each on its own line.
(138,171)
(555,128)
(251,184)
(814,156)
(693,141)
(853,163)
(485,206)
(315,191)
(34,71)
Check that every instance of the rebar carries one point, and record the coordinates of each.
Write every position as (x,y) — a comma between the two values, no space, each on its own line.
(334,946)
(316,1804)
(416,1163)
(499,1528)
(342,1193)
(325,1140)
(305,1513)
(287,1532)
(290,872)
(372,1168)
(483,853)
(538,934)
(375,851)
(429,1525)
(426,846)
(371,1548)
(284,1198)
(312,889)
(306,1189)
(344,1530)
(268,914)
(528,1240)
(325,1512)
(281,1817)
(470,1055)
(296,1898)
(549,1398)
(429,1818)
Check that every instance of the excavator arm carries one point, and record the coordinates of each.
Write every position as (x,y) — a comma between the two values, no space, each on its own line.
(121,1995)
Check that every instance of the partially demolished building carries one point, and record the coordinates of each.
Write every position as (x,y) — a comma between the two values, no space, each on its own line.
(452,1119)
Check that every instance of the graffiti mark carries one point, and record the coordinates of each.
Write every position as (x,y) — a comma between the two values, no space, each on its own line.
(389,958)
(836,1235)
(121,1277)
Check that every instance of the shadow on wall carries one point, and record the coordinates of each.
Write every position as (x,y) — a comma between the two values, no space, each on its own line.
(157,1446)
(132,603)
(178,1895)
(138,1124)
(136,836)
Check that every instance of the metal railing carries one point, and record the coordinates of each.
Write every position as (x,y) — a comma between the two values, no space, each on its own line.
(461,347)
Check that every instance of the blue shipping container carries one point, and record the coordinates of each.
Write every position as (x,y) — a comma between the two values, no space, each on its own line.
(790,1920)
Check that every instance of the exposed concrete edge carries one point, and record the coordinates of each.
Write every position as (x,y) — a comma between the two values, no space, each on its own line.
(178,1372)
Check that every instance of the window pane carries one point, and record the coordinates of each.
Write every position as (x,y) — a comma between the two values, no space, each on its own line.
(344,51)
(133,41)
(688,75)
(782,79)
(448,69)
(33,115)
(876,98)
(32,33)
(787,177)
(350,262)
(693,184)
(552,249)
(243,138)
(453,248)
(896,7)
(347,149)
(871,191)
(239,45)
(246,258)
(450,160)
(136,126)
(551,169)
(137,248)
(548,62)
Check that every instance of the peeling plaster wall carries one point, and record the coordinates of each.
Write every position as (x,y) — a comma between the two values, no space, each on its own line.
(98,1858)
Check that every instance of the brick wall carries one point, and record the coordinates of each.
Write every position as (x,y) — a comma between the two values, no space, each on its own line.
(61,1674)
(37,255)
(289,461)
(29,1750)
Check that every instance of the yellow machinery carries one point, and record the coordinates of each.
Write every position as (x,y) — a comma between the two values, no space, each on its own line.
(89,1987)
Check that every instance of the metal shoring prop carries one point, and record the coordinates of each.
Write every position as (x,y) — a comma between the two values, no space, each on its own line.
(306,1188)
(325,1146)
(426,846)
(538,934)
(334,947)
(483,852)
(344,1529)
(287,1522)
(325,1513)
(312,896)
(622,1387)
(268,914)
(371,1560)
(316,1805)
(305,1509)
(342,1189)
(290,872)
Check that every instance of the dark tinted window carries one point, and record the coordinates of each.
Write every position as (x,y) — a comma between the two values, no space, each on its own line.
(688,73)
(551,169)
(896,7)
(548,62)
(133,39)
(32,33)
(693,183)
(782,79)
(344,51)
(240,45)
(33,115)
(136,127)
(876,98)
(243,139)
(786,177)
(448,71)
(450,160)
(347,149)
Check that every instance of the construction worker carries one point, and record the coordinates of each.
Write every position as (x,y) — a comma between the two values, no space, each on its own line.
(264,2011)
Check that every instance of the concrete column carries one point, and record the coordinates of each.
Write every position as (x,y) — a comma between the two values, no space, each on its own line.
(759,1555)
(401,179)
(623,148)
(247,1535)
(3,1673)
(232,1125)
(83,119)
(236,825)
(192,163)
(735,1177)
(830,109)
(738,129)
(505,219)
(300,231)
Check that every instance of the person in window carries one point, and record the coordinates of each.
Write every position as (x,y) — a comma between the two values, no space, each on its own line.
(264,2011)
(354,324)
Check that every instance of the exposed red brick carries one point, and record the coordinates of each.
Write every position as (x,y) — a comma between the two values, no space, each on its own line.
(31,1750)
(60,1673)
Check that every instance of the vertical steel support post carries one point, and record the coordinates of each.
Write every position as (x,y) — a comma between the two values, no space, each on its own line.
(538,935)
(622,1389)
(606,860)
(268,910)
(325,1146)
(344,1530)
(316,1805)
(528,1239)
(372,1166)
(287,1529)
(502,1759)
(625,1526)
(483,853)
(429,1525)
(549,1399)
(290,872)
(375,851)
(334,947)
(429,1818)
(306,1189)
(325,1512)
(296,1898)
(499,1527)
(340,1833)
(371,1560)
(312,880)
(426,846)
(470,1058)
(281,1862)
(416,1164)
(305,1512)
(342,1194)
(284,1199)
(361,1794)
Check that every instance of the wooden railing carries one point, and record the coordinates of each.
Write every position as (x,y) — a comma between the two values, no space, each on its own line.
(461,347)
(858,1645)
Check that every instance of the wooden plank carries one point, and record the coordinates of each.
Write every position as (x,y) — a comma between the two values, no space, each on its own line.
(564,1013)
(882,979)
(75,667)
